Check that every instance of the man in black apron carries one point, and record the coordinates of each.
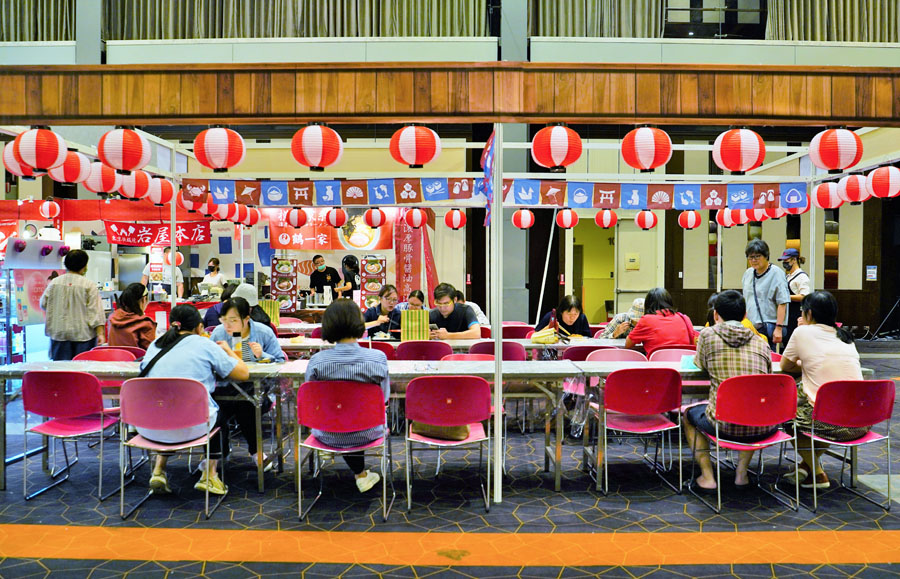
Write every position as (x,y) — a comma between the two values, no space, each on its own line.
(798,286)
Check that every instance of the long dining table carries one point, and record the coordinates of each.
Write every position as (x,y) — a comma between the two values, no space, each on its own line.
(292,345)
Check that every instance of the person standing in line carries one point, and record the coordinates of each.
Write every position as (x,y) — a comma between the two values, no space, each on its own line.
(166,279)
(214,277)
(765,290)
(798,285)
(76,322)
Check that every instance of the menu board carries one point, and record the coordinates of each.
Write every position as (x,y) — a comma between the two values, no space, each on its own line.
(372,275)
(284,284)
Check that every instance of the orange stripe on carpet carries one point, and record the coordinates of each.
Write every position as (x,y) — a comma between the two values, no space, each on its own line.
(483,549)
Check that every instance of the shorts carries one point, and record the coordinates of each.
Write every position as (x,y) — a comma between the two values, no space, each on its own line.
(696,415)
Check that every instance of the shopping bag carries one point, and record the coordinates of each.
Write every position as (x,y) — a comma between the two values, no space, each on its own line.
(414,325)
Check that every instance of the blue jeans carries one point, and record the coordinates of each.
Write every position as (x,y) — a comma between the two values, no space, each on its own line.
(770,331)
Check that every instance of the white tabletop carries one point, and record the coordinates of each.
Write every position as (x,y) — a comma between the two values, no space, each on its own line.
(458,345)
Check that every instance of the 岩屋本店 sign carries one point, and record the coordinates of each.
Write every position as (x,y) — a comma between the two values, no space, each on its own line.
(147,234)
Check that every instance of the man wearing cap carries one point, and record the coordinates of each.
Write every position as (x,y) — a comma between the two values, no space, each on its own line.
(798,284)
(622,324)
(249,293)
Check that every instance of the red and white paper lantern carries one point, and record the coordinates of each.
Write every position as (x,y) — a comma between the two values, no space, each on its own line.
(296,218)
(645,219)
(135,185)
(556,147)
(757,215)
(689,219)
(75,169)
(853,189)
(240,213)
(208,207)
(798,210)
(740,216)
(825,196)
(415,217)
(884,182)
(179,258)
(739,150)
(317,147)
(253,216)
(188,204)
(775,212)
(337,217)
(374,217)
(103,179)
(523,218)
(646,148)
(14,166)
(225,211)
(415,146)
(835,149)
(160,191)
(455,219)
(125,150)
(41,149)
(724,218)
(219,149)
(49,209)
(606,218)
(567,219)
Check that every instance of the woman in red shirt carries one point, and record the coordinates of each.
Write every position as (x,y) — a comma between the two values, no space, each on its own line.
(661,324)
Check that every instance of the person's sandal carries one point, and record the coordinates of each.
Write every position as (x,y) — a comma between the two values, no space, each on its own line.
(802,472)
(159,483)
(820,482)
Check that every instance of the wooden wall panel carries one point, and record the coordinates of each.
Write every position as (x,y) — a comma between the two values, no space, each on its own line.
(564,92)
(762,95)
(647,91)
(365,93)
(843,95)
(170,94)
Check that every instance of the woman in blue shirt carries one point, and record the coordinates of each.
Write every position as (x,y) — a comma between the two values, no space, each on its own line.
(384,316)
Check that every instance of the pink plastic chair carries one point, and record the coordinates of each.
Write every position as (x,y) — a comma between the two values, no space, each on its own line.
(423,350)
(599,333)
(286,320)
(385,347)
(615,355)
(676,355)
(73,403)
(485,332)
(580,353)
(449,401)
(106,355)
(516,332)
(316,333)
(468,357)
(775,357)
(690,347)
(753,400)
(514,323)
(854,404)
(165,404)
(342,406)
(138,352)
(635,401)
(597,328)
(512,351)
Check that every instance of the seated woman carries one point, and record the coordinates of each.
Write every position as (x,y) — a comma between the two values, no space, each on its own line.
(823,353)
(343,325)
(415,301)
(661,324)
(251,342)
(189,355)
(128,326)
(249,293)
(211,318)
(569,318)
(384,316)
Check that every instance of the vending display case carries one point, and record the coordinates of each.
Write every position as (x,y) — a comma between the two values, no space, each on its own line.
(373,275)
(12,334)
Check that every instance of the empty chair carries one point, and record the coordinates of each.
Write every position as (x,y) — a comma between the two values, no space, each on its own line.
(423,350)
(512,351)
(597,329)
(517,332)
(665,354)
(599,333)
(106,355)
(485,332)
(690,347)
(468,357)
(388,349)
(285,320)
(515,323)
(580,353)
(316,333)
(138,352)
(615,355)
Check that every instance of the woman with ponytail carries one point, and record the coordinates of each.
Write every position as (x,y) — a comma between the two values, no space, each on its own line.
(182,352)
(822,352)
(129,325)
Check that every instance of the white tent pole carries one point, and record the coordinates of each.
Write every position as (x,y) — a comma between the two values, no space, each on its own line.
(496,311)
(719,231)
(546,267)
(172,217)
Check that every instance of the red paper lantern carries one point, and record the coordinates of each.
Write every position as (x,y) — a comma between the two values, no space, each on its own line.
(556,147)
(566,219)
(253,216)
(190,205)
(645,219)
(14,166)
(125,150)
(740,216)
(646,148)
(724,218)
(40,148)
(208,207)
(884,182)
(523,219)
(179,258)
(689,219)
(225,211)
(160,191)
(296,218)
(336,217)
(606,218)
(219,149)
(103,179)
(775,212)
(375,218)
(415,146)
(853,189)
(240,213)
(739,150)
(416,217)
(317,147)
(835,149)
(135,185)
(825,196)
(797,210)
(49,209)
(757,215)
(75,169)
(455,219)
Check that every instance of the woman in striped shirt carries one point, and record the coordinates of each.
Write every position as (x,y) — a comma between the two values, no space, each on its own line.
(343,325)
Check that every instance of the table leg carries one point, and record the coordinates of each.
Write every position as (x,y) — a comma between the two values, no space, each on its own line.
(3,435)
(560,424)
(257,408)
(854,466)
(279,432)
(547,437)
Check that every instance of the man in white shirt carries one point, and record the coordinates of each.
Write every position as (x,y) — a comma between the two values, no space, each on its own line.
(460,298)
(164,279)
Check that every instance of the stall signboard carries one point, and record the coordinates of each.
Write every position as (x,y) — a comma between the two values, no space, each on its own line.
(408,251)
(8,229)
(147,234)
(30,285)
(318,235)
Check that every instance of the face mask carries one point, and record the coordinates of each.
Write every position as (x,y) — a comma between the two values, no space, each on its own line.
(209,270)
(787,266)
(321,267)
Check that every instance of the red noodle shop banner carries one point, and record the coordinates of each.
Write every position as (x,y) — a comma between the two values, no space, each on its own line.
(355,235)
(408,249)
(147,234)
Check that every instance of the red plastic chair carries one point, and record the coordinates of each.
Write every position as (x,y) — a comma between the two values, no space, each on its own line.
(342,406)
(753,400)
(316,333)
(512,351)
(423,350)
(106,355)
(690,347)
(485,332)
(666,354)
(165,404)
(514,323)
(580,353)
(385,347)
(138,352)
(449,401)
(775,357)
(615,355)
(854,404)
(517,332)
(287,320)
(597,328)
(635,401)
(73,403)
(468,357)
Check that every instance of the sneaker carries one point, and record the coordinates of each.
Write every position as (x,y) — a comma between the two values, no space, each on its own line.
(159,483)
(367,482)
(820,482)
(802,473)
(267,462)
(214,484)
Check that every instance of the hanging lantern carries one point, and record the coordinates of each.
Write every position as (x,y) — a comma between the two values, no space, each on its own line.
(40,148)
(646,148)
(566,219)
(135,185)
(415,146)
(740,216)
(556,147)
(884,182)
(296,218)
(337,217)
(757,215)
(523,219)
(160,191)
(240,213)
(317,146)
(219,149)
(826,196)
(775,212)
(455,219)
(179,258)
(190,205)
(208,207)
(689,219)
(835,149)
(75,169)
(375,218)
(225,211)
(724,218)
(125,150)
(853,189)
(797,210)
(606,218)
(103,179)
(739,150)
(645,219)
(49,210)
(253,216)
(416,217)
(14,166)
